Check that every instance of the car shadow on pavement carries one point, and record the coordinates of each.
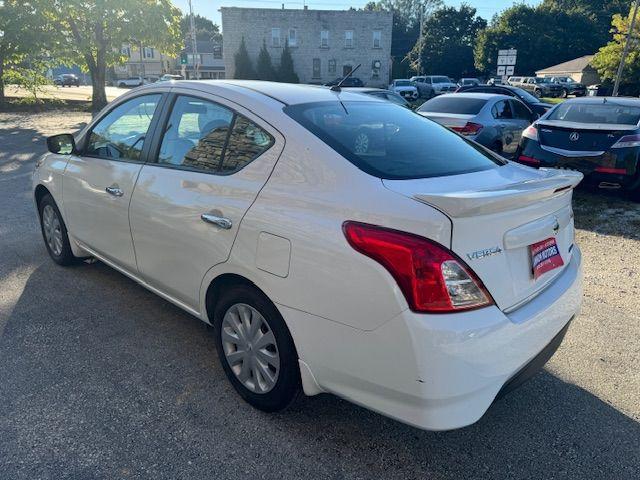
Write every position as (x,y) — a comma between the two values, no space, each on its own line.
(102,379)
(607,213)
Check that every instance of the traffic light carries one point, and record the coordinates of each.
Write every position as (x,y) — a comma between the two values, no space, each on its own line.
(184,59)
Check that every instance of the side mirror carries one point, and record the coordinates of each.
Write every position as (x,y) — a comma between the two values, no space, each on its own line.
(63,144)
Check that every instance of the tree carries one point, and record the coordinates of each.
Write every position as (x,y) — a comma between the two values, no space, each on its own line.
(540,35)
(607,59)
(286,72)
(206,30)
(243,66)
(92,33)
(264,67)
(24,38)
(447,42)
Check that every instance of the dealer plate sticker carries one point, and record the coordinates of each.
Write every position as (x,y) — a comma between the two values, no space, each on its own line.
(545,257)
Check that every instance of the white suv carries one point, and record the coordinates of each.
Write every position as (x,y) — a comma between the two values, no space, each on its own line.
(440,83)
(336,242)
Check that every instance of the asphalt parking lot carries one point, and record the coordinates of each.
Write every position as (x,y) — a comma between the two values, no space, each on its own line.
(100,378)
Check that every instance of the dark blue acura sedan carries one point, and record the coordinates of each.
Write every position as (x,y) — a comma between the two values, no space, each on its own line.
(599,136)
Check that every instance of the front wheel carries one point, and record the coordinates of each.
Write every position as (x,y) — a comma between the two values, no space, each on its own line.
(537,93)
(564,93)
(256,349)
(54,232)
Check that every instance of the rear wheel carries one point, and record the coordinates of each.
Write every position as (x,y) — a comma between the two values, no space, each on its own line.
(256,349)
(54,232)
(564,93)
(537,93)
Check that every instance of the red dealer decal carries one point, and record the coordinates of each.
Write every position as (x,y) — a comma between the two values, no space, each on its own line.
(545,256)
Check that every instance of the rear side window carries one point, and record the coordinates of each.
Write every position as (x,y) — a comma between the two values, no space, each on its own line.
(609,112)
(205,136)
(458,104)
(389,141)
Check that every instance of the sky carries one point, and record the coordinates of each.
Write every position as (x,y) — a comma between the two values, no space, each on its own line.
(209,8)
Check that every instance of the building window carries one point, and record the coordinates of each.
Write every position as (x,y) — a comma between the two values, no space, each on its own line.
(348,39)
(332,66)
(126,51)
(275,37)
(316,68)
(293,37)
(148,52)
(377,39)
(324,38)
(217,51)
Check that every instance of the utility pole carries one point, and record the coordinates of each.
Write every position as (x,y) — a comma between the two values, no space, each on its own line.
(194,42)
(420,40)
(625,51)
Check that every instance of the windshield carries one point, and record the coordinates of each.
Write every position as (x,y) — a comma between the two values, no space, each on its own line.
(388,141)
(609,112)
(457,104)
(403,83)
(542,80)
(525,96)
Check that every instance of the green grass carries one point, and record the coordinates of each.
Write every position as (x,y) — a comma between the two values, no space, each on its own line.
(552,100)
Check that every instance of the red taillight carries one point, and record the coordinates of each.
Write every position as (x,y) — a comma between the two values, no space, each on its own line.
(618,171)
(528,160)
(531,132)
(469,129)
(431,277)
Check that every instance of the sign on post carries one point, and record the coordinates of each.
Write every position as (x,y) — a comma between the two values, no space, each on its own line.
(506,63)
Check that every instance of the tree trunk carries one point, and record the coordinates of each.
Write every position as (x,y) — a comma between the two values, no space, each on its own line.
(98,70)
(1,81)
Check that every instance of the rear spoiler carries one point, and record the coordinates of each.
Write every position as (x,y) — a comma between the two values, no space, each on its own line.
(467,203)
(586,126)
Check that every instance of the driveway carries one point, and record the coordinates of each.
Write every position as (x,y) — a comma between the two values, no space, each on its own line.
(101,379)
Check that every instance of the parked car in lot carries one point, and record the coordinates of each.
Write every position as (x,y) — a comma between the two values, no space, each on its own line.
(405,88)
(130,82)
(168,78)
(569,86)
(439,83)
(540,87)
(495,81)
(495,121)
(425,89)
(337,243)
(468,82)
(349,82)
(598,136)
(383,94)
(67,80)
(534,103)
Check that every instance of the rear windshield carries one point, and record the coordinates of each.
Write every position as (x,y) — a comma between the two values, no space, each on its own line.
(454,104)
(609,112)
(389,141)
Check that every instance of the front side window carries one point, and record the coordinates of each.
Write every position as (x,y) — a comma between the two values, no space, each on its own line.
(275,37)
(195,135)
(377,38)
(316,68)
(348,39)
(502,110)
(324,38)
(389,141)
(121,133)
(520,111)
(293,37)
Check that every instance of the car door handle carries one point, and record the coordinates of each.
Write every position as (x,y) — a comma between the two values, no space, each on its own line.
(115,191)
(221,222)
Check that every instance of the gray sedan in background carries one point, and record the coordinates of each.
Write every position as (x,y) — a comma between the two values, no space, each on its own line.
(495,121)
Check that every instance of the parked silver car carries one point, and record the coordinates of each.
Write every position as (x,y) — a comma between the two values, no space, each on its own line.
(495,121)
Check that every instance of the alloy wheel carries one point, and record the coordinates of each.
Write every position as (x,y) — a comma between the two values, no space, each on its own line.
(250,348)
(52,230)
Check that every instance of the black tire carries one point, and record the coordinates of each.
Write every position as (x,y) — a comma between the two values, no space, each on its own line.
(121,85)
(564,93)
(65,257)
(288,385)
(537,93)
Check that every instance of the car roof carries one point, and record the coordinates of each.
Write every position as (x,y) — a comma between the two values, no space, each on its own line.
(285,93)
(478,95)
(625,101)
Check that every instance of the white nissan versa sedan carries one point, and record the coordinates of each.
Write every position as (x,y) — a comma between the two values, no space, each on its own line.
(336,242)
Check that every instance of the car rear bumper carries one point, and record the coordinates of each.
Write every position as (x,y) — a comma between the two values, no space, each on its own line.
(615,166)
(436,372)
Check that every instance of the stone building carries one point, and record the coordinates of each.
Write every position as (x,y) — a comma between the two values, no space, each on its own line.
(325,44)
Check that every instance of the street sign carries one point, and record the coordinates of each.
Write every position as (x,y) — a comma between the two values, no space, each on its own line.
(502,70)
(506,62)
(509,70)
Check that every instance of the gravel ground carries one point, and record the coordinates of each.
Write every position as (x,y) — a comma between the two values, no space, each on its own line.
(101,379)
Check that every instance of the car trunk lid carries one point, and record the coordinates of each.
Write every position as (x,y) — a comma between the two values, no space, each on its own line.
(496,216)
(449,120)
(582,138)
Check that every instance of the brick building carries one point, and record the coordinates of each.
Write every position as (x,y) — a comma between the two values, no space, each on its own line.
(325,44)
